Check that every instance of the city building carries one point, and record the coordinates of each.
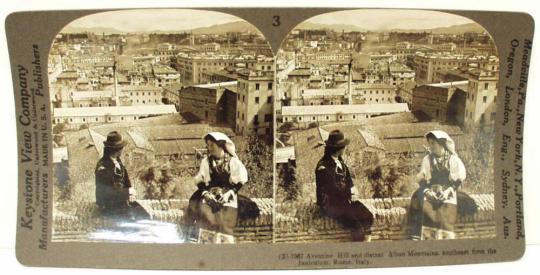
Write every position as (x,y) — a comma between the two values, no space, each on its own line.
(74,117)
(481,104)
(427,65)
(192,67)
(306,115)
(443,102)
(254,107)
(141,95)
(165,75)
(212,103)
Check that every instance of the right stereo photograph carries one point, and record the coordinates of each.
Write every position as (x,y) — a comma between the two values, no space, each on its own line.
(385,128)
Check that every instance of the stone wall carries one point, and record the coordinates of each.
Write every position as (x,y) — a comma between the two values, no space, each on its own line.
(306,225)
(302,223)
(78,222)
(246,231)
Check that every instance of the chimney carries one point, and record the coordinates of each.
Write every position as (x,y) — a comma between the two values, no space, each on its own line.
(115,93)
(349,83)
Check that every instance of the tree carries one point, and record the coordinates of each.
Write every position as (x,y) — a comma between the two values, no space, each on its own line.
(478,160)
(313,125)
(59,128)
(256,154)
(158,182)
(286,127)
(288,183)
(63,180)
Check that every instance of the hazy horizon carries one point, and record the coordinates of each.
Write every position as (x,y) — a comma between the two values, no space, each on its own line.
(179,20)
(380,20)
(148,20)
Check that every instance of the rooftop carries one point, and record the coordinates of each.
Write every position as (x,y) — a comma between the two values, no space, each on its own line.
(68,74)
(217,85)
(115,111)
(81,95)
(345,109)
(129,88)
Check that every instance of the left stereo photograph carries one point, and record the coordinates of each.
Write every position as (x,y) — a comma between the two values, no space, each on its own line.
(162,123)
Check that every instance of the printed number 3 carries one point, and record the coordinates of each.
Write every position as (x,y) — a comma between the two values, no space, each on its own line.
(276,22)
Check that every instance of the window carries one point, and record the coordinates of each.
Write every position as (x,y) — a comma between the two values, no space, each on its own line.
(486,86)
(299,118)
(257,86)
(492,116)
(256,100)
(269,85)
(485,99)
(268,118)
(269,99)
(313,118)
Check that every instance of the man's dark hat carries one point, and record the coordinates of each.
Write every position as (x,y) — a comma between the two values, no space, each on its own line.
(114,140)
(336,139)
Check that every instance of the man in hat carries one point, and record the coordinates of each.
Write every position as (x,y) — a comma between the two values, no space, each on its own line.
(334,194)
(114,191)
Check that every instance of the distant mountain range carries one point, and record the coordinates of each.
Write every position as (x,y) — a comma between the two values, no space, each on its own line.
(237,26)
(241,26)
(455,29)
(97,30)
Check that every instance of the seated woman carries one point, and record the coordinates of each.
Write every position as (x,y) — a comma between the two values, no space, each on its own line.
(214,206)
(433,210)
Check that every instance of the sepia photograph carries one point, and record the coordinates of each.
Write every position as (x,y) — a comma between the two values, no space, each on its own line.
(385,128)
(162,124)
(251,138)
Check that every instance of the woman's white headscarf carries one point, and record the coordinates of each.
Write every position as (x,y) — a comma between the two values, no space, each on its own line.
(456,167)
(449,144)
(229,144)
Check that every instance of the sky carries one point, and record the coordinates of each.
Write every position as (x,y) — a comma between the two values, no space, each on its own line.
(373,19)
(154,19)
(186,19)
